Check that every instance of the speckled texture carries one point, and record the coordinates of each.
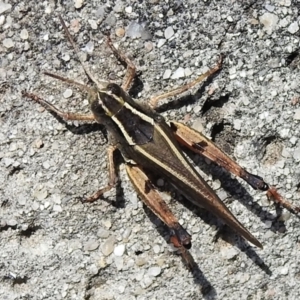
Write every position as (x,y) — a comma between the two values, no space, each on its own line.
(54,247)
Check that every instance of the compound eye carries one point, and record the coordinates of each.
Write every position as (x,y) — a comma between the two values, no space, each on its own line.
(114,89)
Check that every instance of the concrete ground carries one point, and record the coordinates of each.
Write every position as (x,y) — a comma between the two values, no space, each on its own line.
(55,247)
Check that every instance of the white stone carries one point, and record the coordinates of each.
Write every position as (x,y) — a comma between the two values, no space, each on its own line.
(296,154)
(78,3)
(108,246)
(161,42)
(4,7)
(269,21)
(93,24)
(169,32)
(57,208)
(154,271)
(89,47)
(24,34)
(293,28)
(133,30)
(167,74)
(128,9)
(297,114)
(119,262)
(156,249)
(40,194)
(187,72)
(68,93)
(284,271)
(179,73)
(229,253)
(8,43)
(119,250)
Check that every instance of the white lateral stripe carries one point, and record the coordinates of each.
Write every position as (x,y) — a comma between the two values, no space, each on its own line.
(126,135)
(136,112)
(166,167)
(178,154)
(140,114)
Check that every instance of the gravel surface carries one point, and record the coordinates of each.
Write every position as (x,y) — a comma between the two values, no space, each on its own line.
(55,247)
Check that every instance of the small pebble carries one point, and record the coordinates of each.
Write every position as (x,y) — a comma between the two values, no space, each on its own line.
(11,222)
(100,13)
(103,233)
(269,234)
(46,165)
(156,249)
(7,161)
(147,281)
(57,208)
(161,42)
(89,47)
(128,9)
(284,271)
(8,43)
(93,24)
(293,28)
(38,143)
(269,7)
(140,261)
(24,34)
(148,46)
(167,74)
(120,32)
(127,233)
(188,53)
(121,288)
(154,271)
(78,3)
(296,154)
(93,269)
(269,21)
(297,114)
(22,201)
(169,32)
(139,275)
(187,72)
(91,245)
(107,223)
(119,261)
(65,57)
(111,20)
(268,224)
(4,7)
(74,25)
(119,6)
(229,253)
(48,10)
(68,93)
(237,124)
(2,19)
(108,246)
(134,30)
(40,194)
(222,194)
(179,73)
(119,250)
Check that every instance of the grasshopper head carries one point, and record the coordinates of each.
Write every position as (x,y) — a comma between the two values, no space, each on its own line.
(109,99)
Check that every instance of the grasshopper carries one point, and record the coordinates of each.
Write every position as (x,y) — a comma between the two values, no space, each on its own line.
(148,143)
